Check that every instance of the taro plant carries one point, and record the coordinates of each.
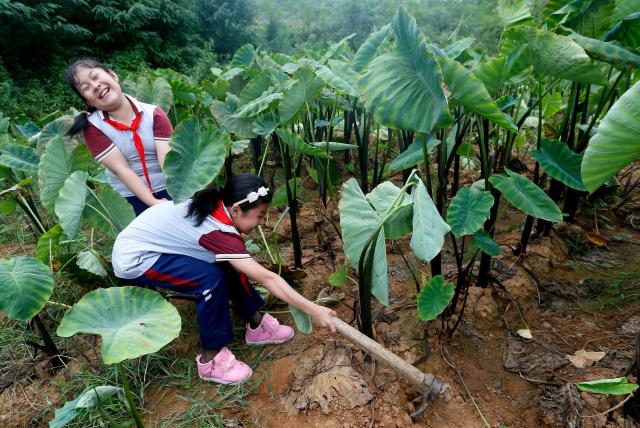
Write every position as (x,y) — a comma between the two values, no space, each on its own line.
(26,284)
(388,212)
(616,143)
(132,322)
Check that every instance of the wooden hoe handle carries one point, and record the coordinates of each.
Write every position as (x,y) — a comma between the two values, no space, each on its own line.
(424,382)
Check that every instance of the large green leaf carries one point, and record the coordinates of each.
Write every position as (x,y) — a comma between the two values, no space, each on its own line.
(346,72)
(302,93)
(468,211)
(197,156)
(615,386)
(560,162)
(469,91)
(382,197)
(184,93)
(429,229)
(159,93)
(513,13)
(231,73)
(218,89)
(89,398)
(369,49)
(48,243)
(526,196)
(90,262)
(302,320)
(258,105)
(71,201)
(243,57)
(403,88)
(434,297)
(551,104)
(133,321)
(359,221)
(25,287)
(298,145)
(627,30)
(55,129)
(557,56)
(7,206)
(506,69)
(335,81)
(335,48)
(413,154)
(266,123)
(56,164)
(19,157)
(107,211)
(616,143)
(607,52)
(224,115)
(333,146)
(255,88)
(455,49)
(485,243)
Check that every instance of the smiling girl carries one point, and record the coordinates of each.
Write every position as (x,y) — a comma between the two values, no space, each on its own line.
(130,138)
(196,248)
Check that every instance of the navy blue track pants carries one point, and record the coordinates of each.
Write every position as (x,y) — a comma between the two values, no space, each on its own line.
(212,285)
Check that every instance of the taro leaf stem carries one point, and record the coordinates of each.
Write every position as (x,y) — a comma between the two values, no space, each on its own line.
(57,360)
(127,393)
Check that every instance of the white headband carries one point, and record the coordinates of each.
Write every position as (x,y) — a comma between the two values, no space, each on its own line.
(253,196)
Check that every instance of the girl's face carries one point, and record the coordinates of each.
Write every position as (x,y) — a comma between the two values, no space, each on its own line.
(246,222)
(99,88)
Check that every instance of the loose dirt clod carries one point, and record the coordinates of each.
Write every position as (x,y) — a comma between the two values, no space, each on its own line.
(529,357)
(322,380)
(560,406)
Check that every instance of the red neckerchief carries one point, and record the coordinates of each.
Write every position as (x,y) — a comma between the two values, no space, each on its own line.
(220,214)
(137,141)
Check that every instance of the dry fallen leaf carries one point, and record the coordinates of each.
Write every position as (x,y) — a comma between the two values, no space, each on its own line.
(582,358)
(596,239)
(525,333)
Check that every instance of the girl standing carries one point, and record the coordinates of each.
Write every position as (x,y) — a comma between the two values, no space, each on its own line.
(196,248)
(130,138)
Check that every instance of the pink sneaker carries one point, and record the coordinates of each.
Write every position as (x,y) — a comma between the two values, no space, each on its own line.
(269,331)
(224,368)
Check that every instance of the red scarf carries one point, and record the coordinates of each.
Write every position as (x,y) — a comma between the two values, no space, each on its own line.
(136,139)
(220,214)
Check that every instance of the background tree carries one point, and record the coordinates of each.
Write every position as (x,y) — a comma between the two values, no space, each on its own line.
(226,22)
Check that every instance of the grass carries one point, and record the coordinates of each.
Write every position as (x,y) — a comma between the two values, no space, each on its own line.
(13,231)
(621,289)
(15,354)
(167,371)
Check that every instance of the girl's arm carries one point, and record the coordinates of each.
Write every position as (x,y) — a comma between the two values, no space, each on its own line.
(277,286)
(117,164)
(162,148)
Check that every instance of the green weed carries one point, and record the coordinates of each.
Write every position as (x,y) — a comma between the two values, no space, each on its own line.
(622,289)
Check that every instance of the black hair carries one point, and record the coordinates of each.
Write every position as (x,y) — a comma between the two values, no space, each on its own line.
(237,188)
(70,76)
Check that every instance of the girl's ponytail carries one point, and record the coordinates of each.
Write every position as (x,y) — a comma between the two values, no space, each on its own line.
(235,191)
(80,122)
(202,204)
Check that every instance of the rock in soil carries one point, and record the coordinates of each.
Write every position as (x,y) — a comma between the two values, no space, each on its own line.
(519,356)
(560,407)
